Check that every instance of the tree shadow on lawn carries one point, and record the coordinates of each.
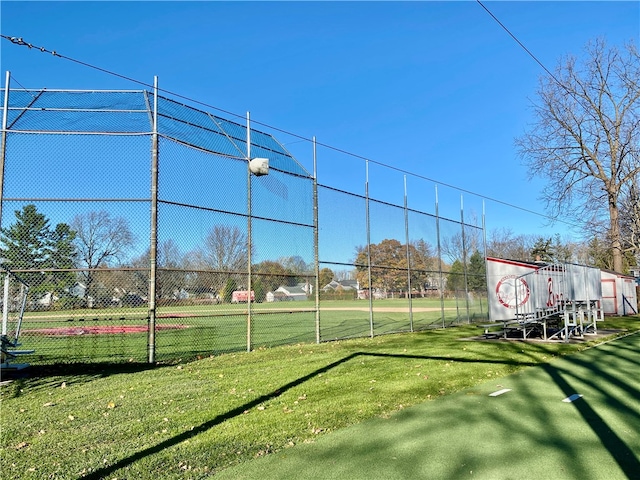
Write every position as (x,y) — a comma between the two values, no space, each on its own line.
(623,455)
(590,373)
(219,419)
(528,430)
(36,377)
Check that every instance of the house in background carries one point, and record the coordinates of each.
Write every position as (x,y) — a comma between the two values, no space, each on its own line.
(344,288)
(341,284)
(289,294)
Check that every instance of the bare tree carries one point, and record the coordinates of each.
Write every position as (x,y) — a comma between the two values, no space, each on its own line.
(225,249)
(220,262)
(461,247)
(630,218)
(584,140)
(502,243)
(101,240)
(170,275)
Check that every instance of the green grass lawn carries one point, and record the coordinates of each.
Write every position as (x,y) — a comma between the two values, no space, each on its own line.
(193,419)
(575,418)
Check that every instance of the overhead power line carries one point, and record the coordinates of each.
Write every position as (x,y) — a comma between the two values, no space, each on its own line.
(551,75)
(21,42)
(518,42)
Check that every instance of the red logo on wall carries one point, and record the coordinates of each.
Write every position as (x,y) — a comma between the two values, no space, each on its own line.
(550,300)
(512,291)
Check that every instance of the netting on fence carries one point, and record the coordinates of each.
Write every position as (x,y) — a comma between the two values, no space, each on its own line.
(144,236)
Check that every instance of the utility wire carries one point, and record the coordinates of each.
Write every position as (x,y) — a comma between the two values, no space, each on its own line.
(520,43)
(21,42)
(551,75)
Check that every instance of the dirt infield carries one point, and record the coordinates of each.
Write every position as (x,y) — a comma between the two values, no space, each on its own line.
(96,330)
(71,317)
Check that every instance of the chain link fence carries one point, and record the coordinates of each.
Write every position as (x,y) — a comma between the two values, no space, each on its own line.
(144,236)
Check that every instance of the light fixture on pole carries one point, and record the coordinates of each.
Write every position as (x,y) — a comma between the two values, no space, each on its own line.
(259,166)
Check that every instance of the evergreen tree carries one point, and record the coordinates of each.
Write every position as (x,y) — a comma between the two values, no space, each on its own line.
(227,292)
(455,277)
(477,273)
(61,257)
(257,285)
(562,252)
(30,244)
(542,250)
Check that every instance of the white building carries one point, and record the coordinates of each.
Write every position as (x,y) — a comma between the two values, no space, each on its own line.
(619,294)
(287,294)
(517,287)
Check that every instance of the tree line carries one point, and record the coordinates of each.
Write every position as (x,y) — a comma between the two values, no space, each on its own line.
(86,263)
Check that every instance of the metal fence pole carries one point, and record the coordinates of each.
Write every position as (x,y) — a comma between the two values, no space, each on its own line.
(249,240)
(464,260)
(316,260)
(5,306)
(3,146)
(484,249)
(440,260)
(406,235)
(153,235)
(366,193)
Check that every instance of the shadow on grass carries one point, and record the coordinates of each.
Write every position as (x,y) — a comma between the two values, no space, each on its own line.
(616,354)
(620,452)
(44,376)
(108,470)
(527,431)
(617,448)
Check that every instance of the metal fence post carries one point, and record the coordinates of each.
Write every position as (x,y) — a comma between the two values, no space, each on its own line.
(153,236)
(484,249)
(3,147)
(406,235)
(464,260)
(316,260)
(366,193)
(248,234)
(440,261)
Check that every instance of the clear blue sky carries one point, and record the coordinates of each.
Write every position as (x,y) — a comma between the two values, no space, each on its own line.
(434,88)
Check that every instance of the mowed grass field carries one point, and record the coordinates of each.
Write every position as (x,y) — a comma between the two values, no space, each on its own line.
(199,418)
(574,418)
(186,332)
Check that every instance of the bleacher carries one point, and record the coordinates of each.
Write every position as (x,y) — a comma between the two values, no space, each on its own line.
(558,302)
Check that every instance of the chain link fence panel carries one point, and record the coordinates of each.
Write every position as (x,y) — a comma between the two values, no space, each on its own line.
(207,258)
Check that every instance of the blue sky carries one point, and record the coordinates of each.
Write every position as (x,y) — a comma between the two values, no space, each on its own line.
(438,89)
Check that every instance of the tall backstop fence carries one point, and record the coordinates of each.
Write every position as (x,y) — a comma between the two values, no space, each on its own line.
(150,230)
